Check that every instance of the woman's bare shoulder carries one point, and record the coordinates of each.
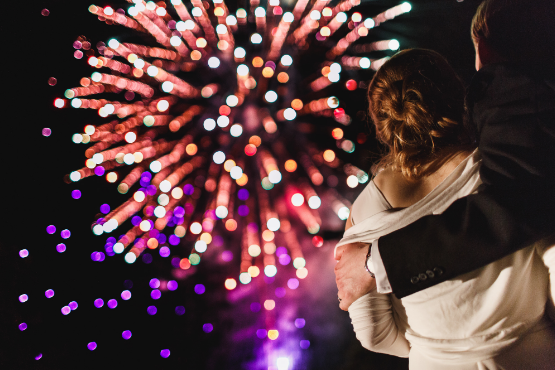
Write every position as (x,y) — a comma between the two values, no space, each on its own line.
(396,188)
(401,192)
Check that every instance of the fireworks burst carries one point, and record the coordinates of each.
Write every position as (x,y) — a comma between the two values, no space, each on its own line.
(205,129)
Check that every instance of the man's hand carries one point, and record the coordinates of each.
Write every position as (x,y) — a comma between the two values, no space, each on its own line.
(352,279)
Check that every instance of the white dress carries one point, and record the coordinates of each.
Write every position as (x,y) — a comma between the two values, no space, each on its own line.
(490,318)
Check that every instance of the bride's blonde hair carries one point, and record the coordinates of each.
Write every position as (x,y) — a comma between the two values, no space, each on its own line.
(416,101)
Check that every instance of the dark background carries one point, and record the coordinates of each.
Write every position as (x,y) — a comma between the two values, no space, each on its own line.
(35,195)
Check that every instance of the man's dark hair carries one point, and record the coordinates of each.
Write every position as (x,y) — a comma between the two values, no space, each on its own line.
(518,30)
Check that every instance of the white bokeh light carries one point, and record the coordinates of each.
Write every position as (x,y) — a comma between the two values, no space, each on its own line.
(256,38)
(288,17)
(159,211)
(221,212)
(130,257)
(129,159)
(213,62)
(231,20)
(76,103)
(75,176)
(341,17)
(333,102)
(315,15)
(209,124)
(165,186)
(273,224)
(167,86)
(152,71)
(223,121)
(236,130)
(236,172)
(98,230)
(200,246)
(364,63)
(260,12)
(180,26)
(270,270)
(286,60)
(352,181)
(119,248)
(333,77)
(314,202)
(175,41)
(232,101)
(162,105)
(113,43)
(289,114)
(282,363)
(369,23)
(245,277)
(274,176)
(239,53)
(139,63)
(221,29)
(343,213)
(270,96)
(394,44)
(155,166)
(196,12)
(196,228)
(242,70)
(335,68)
(297,199)
(98,158)
(219,157)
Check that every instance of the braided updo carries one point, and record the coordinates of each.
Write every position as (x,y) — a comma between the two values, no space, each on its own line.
(417,105)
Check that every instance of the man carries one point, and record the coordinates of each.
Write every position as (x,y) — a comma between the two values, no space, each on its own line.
(512,103)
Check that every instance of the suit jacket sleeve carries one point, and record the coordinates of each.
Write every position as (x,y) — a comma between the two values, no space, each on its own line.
(514,112)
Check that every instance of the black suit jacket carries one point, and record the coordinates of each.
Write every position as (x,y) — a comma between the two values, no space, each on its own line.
(513,108)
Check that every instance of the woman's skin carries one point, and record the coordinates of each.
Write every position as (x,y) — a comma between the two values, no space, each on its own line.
(401,192)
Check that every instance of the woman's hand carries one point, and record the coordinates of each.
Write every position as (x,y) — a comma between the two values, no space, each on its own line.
(351,277)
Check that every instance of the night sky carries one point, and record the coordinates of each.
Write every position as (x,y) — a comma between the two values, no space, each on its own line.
(35,196)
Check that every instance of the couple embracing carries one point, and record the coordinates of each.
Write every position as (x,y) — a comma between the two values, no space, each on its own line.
(448,257)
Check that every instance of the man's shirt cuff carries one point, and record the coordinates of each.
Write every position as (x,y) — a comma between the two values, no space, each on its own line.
(382,282)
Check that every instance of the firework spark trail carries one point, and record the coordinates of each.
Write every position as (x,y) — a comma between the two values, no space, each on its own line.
(165,168)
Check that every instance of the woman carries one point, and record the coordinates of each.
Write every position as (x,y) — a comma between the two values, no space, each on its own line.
(491,318)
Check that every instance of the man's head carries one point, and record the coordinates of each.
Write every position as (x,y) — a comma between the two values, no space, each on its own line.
(515,31)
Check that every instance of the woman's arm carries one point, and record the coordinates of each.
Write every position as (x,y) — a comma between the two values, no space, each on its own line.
(375,327)
(373,322)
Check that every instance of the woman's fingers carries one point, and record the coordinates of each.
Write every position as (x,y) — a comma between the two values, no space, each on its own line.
(352,280)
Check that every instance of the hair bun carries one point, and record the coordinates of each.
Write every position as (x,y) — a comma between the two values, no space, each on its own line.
(417,104)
